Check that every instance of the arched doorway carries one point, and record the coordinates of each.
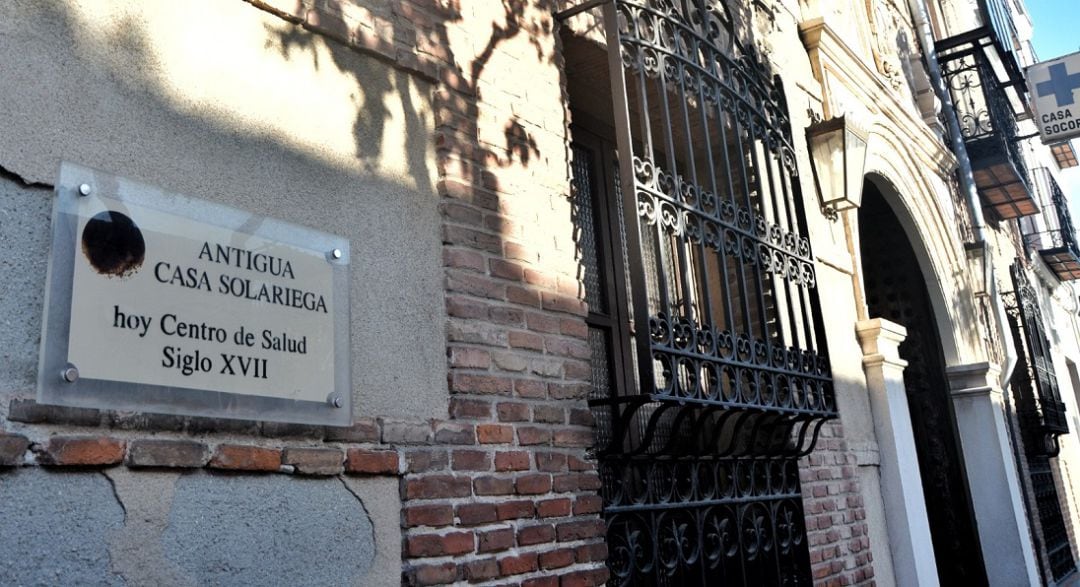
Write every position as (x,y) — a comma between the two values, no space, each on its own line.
(896,290)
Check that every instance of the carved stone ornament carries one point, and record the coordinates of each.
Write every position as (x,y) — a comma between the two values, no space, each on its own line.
(889,27)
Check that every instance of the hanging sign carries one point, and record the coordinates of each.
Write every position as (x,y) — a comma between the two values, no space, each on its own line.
(1053,87)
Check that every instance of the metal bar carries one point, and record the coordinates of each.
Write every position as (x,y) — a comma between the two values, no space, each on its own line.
(621,112)
(576,10)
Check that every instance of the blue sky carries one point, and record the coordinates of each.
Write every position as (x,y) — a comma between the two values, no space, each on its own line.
(1057,27)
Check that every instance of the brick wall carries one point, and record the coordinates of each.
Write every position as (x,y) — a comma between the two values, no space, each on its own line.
(835,519)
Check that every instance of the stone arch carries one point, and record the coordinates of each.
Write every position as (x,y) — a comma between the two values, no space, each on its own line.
(911,185)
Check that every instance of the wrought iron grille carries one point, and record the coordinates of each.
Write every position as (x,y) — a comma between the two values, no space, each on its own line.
(725,297)
(1055,537)
(1039,406)
(725,380)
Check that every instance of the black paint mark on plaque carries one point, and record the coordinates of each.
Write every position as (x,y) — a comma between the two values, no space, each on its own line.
(113,244)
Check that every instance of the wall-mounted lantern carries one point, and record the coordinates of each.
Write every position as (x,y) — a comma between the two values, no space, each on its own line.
(838,159)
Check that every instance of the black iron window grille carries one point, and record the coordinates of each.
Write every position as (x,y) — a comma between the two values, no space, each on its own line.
(711,375)
(1041,416)
(1038,402)
(1053,235)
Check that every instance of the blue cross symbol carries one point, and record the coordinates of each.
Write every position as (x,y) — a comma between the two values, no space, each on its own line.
(1061,84)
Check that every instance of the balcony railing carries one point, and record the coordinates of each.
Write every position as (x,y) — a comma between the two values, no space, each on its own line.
(1052,234)
(985,84)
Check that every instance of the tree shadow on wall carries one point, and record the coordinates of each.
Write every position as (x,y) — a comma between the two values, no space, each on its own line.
(456,96)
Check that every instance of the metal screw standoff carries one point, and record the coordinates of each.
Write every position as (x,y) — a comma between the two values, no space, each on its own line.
(336,254)
(85,189)
(70,374)
(335,400)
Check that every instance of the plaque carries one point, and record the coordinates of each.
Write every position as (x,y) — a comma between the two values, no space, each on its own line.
(157,302)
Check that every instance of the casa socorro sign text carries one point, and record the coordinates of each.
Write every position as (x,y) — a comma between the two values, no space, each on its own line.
(1053,86)
(198,313)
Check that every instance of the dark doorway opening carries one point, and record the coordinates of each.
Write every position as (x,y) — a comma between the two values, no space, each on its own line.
(896,291)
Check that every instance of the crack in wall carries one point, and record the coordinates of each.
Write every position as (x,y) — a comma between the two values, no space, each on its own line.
(8,174)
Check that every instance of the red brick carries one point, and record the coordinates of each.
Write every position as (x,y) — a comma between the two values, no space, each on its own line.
(587,504)
(405,431)
(523,295)
(516,509)
(574,327)
(506,269)
(540,534)
(246,458)
(574,437)
(84,450)
(167,453)
(516,565)
(514,412)
(526,340)
(481,570)
(463,258)
(581,417)
(517,460)
(314,461)
(490,485)
(531,389)
(469,358)
(464,307)
(549,414)
(494,433)
(438,574)
(584,578)
(495,540)
(531,435)
(437,487)
(473,514)
(454,433)
(469,408)
(452,543)
(579,530)
(597,551)
(562,303)
(462,213)
(476,285)
(480,384)
(372,462)
(426,460)
(540,278)
(557,559)
(533,484)
(553,508)
(542,322)
(551,462)
(551,581)
(576,482)
(429,515)
(507,316)
(471,460)
(12,449)
(578,464)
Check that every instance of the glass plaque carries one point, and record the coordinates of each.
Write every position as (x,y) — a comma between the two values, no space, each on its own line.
(158,302)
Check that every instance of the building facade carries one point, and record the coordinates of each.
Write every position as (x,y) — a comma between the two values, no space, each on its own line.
(603,329)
